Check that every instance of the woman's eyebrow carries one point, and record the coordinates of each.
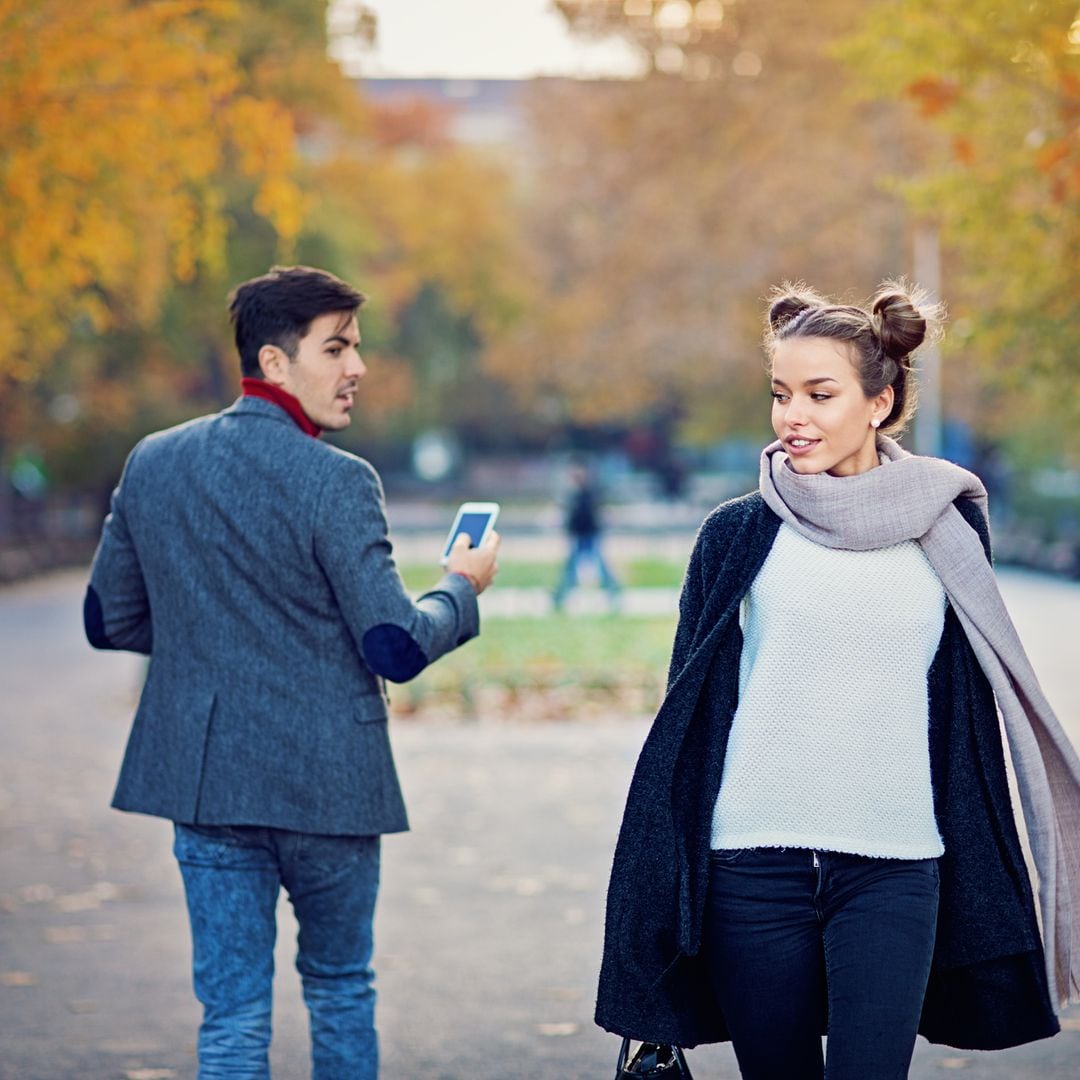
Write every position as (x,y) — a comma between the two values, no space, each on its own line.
(809,382)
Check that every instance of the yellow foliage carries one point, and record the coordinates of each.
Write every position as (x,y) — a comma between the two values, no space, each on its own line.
(117,121)
(1003,182)
(441,218)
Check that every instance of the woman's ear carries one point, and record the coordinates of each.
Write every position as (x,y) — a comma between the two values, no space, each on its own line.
(883,404)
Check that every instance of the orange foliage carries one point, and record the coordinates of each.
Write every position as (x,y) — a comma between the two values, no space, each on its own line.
(388,390)
(440,216)
(964,150)
(415,121)
(932,96)
(118,122)
(1052,154)
(661,210)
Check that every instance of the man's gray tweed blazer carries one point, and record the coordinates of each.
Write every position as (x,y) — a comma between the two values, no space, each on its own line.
(251,563)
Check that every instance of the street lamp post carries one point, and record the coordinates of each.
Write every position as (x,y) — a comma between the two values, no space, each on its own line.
(926,257)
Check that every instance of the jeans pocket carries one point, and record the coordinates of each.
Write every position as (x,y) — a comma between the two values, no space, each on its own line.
(728,856)
(218,845)
(333,854)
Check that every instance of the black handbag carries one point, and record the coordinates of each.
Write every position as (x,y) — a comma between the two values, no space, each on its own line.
(652,1059)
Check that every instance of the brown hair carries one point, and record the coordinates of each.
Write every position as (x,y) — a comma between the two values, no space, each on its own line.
(881,337)
(279,307)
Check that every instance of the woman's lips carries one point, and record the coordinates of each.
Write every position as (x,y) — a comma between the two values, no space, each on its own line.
(804,446)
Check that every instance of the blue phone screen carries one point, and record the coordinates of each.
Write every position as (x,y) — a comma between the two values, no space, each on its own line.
(474,525)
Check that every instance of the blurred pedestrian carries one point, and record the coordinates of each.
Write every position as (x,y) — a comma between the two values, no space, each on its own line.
(819,836)
(583,527)
(250,562)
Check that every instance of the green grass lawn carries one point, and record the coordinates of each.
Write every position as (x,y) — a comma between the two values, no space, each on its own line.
(610,658)
(635,573)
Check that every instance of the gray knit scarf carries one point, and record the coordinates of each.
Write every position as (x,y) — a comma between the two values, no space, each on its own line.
(911,498)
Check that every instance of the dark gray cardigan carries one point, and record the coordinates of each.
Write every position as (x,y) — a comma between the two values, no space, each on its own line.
(987,985)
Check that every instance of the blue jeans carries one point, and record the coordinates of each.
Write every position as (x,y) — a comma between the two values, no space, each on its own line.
(796,940)
(584,549)
(232,875)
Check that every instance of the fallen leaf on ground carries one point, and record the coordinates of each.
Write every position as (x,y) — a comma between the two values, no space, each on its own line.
(18,978)
(63,935)
(84,901)
(565,1027)
(36,894)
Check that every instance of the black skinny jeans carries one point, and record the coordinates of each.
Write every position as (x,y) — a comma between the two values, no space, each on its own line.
(796,940)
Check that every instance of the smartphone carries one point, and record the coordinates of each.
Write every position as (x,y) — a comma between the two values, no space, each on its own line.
(476,520)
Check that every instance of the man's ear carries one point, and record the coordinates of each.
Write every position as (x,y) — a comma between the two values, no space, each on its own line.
(274,364)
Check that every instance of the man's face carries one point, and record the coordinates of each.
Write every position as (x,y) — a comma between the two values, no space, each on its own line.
(326,371)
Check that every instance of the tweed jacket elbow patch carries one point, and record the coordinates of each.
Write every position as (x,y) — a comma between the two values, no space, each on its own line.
(987,987)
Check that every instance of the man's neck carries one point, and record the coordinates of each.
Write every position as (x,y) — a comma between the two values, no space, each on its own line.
(260,388)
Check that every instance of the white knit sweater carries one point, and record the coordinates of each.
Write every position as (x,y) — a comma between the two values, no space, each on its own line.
(829,747)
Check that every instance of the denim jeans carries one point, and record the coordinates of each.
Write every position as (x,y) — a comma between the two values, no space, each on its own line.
(584,549)
(232,875)
(796,940)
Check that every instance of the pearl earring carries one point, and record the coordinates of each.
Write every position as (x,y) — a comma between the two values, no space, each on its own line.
(875,423)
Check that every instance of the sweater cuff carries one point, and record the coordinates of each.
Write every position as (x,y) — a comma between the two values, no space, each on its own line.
(463,596)
(470,579)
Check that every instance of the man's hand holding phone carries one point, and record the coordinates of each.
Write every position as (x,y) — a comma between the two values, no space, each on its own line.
(472,543)
(477,564)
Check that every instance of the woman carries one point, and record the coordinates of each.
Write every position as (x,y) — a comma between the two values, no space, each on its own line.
(818,837)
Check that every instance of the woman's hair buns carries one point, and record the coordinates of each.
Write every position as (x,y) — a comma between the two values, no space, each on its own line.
(898,322)
(790,304)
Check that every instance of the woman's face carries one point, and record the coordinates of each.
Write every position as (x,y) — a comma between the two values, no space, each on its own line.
(820,412)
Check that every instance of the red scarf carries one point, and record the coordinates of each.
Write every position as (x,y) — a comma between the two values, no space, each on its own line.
(260,388)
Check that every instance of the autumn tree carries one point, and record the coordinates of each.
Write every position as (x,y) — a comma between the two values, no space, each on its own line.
(665,207)
(426,227)
(117,121)
(997,90)
(423,225)
(215,139)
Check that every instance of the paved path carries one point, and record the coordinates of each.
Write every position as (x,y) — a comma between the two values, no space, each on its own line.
(490,918)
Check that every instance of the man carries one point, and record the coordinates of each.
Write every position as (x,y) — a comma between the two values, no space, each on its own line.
(582,526)
(251,562)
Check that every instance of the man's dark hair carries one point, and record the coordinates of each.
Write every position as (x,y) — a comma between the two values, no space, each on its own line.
(279,308)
